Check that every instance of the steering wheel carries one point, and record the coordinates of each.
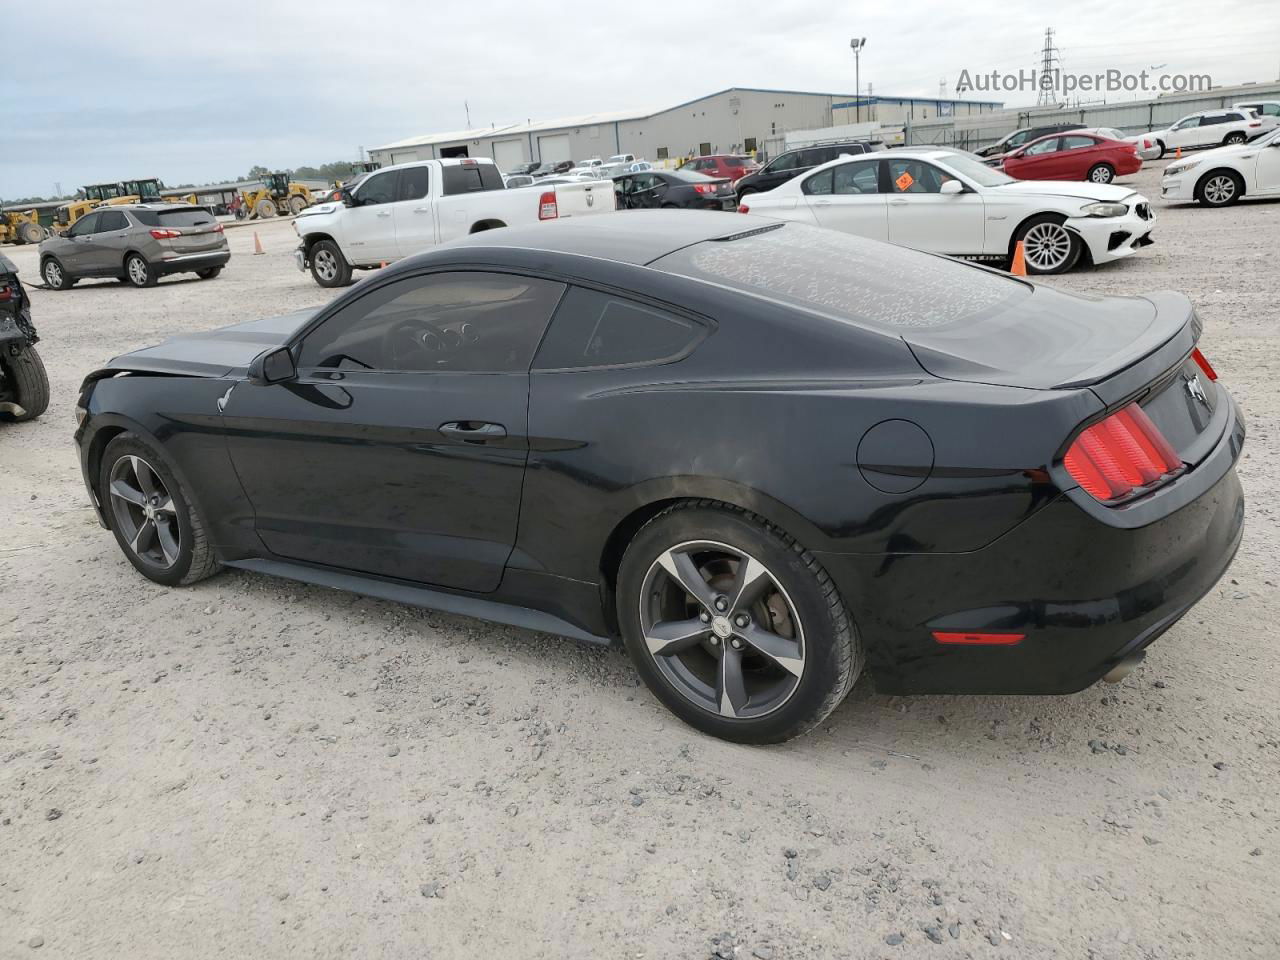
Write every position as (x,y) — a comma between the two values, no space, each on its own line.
(424,340)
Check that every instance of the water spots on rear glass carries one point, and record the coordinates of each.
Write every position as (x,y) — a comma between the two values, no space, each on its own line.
(848,277)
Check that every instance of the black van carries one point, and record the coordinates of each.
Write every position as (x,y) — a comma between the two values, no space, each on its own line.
(795,162)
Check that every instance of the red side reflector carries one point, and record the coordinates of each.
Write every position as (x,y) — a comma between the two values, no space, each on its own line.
(1203,363)
(547,207)
(217,228)
(979,639)
(1122,454)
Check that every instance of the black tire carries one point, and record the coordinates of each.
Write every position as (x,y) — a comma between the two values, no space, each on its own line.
(55,274)
(831,656)
(138,272)
(1234,137)
(1033,227)
(194,558)
(1220,188)
(266,209)
(29,232)
(30,384)
(1160,155)
(209,273)
(297,204)
(1101,173)
(329,267)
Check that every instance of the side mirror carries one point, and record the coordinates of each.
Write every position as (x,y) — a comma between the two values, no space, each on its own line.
(347,199)
(274,366)
(951,188)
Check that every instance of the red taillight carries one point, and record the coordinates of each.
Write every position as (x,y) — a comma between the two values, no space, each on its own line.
(1203,363)
(165,234)
(547,208)
(705,187)
(6,292)
(979,639)
(743,208)
(1120,455)
(217,228)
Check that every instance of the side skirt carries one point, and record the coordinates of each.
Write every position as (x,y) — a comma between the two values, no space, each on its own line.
(481,609)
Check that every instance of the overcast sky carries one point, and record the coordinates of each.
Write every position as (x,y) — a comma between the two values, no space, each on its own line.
(200,92)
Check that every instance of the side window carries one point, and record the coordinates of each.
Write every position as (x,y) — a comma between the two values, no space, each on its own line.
(86,225)
(1077,143)
(593,329)
(110,221)
(1270,110)
(1213,119)
(788,161)
(914,176)
(813,157)
(1018,139)
(414,182)
(818,185)
(380,188)
(861,177)
(1186,122)
(1040,148)
(461,322)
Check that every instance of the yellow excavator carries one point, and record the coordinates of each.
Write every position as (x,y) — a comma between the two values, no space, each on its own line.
(278,195)
(20,227)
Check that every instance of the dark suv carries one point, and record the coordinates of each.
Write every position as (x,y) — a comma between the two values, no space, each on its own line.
(795,162)
(1024,135)
(139,243)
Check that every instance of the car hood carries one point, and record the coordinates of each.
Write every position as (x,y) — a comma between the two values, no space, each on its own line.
(214,353)
(1222,153)
(1080,189)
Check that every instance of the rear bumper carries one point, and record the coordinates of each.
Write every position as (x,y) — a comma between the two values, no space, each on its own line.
(190,262)
(1086,593)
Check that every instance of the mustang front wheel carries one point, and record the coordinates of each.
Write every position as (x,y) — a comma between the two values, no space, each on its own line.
(733,625)
(151,515)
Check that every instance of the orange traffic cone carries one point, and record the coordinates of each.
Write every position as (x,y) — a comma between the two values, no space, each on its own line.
(1177,154)
(257,245)
(1019,266)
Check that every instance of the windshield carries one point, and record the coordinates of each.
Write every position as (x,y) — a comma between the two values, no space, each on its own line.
(975,170)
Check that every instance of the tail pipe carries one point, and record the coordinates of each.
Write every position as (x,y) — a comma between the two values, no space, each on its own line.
(1124,667)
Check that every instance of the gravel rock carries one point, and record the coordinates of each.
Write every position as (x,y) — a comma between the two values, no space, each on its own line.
(894,939)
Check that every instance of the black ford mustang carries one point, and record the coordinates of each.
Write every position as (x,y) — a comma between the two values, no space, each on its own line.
(764,455)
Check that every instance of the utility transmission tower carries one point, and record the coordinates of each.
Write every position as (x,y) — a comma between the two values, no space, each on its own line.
(1049,64)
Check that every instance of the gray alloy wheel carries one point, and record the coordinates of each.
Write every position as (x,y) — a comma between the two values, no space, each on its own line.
(144,513)
(1102,173)
(1234,137)
(326,264)
(53,275)
(139,272)
(721,629)
(1219,190)
(1048,247)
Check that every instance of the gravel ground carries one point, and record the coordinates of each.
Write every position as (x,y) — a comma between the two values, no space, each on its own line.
(254,768)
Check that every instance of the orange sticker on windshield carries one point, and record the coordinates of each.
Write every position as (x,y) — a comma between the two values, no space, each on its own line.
(904,181)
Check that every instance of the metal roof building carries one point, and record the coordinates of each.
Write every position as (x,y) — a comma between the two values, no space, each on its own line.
(735,120)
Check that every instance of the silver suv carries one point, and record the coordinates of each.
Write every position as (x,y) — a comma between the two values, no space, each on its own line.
(139,243)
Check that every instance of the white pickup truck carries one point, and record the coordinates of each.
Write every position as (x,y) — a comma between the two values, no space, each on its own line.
(408,208)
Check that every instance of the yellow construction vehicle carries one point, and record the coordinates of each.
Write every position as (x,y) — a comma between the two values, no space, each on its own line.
(125,191)
(20,227)
(278,195)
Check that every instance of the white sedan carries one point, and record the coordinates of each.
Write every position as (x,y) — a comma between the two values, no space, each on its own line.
(945,202)
(1223,176)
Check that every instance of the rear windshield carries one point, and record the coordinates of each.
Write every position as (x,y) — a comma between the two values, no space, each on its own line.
(873,284)
(470,178)
(184,216)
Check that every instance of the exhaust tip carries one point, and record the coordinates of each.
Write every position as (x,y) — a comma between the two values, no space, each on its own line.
(1124,667)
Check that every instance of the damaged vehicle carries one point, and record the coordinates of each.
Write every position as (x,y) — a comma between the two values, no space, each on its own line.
(24,385)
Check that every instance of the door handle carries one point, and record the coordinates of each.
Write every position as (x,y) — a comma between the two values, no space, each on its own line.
(897,202)
(421,209)
(473,431)
(822,203)
(384,213)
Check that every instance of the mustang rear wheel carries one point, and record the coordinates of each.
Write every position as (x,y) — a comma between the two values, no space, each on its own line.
(151,515)
(733,625)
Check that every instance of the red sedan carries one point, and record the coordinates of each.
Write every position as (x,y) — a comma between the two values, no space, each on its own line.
(1074,156)
(721,165)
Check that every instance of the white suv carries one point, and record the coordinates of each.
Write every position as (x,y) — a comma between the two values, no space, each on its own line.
(1211,128)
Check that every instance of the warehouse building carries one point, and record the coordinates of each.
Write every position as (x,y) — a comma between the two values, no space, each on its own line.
(736,120)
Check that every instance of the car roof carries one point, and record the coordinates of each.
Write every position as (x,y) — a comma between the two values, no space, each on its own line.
(637,237)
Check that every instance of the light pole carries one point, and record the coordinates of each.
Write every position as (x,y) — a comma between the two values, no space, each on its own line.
(856,45)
